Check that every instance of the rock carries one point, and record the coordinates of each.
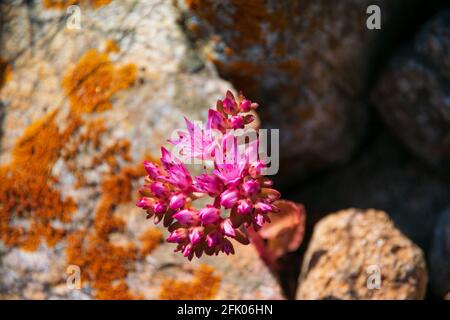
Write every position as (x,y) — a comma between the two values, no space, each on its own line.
(439,257)
(382,177)
(412,94)
(305,61)
(359,254)
(83,108)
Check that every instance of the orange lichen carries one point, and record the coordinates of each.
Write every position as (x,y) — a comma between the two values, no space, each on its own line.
(106,265)
(94,80)
(29,196)
(203,286)
(5,72)
(245,23)
(63,4)
(27,187)
(118,148)
(111,46)
(150,239)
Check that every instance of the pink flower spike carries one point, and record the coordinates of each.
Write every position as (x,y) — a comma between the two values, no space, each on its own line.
(209,215)
(237,122)
(186,216)
(251,187)
(228,198)
(177,201)
(235,185)
(228,228)
(244,206)
(213,239)
(195,236)
(177,236)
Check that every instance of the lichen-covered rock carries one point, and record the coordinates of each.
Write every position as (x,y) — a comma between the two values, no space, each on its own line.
(412,94)
(439,257)
(83,107)
(359,254)
(307,61)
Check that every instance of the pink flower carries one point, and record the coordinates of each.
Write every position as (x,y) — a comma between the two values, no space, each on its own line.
(240,196)
(210,184)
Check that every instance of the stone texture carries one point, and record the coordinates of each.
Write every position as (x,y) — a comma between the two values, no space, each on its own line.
(386,177)
(136,90)
(346,245)
(307,63)
(439,257)
(412,95)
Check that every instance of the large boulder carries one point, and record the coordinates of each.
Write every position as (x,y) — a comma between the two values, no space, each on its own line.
(359,254)
(382,177)
(412,94)
(83,107)
(307,62)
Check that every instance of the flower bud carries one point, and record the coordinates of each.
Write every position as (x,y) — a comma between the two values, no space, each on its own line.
(145,203)
(228,228)
(228,198)
(152,170)
(213,239)
(245,105)
(251,188)
(236,122)
(209,215)
(186,216)
(244,207)
(263,207)
(159,208)
(177,201)
(195,235)
(177,236)
(159,189)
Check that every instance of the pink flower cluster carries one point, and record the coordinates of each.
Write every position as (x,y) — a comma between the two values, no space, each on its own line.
(240,196)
